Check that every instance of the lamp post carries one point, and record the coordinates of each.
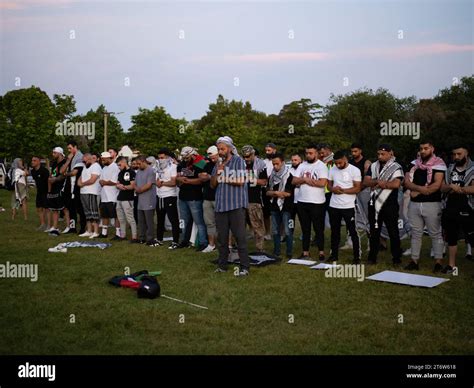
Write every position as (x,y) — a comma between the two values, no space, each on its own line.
(106,118)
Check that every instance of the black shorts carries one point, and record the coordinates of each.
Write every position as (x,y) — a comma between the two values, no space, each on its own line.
(41,200)
(108,209)
(453,222)
(55,201)
(68,200)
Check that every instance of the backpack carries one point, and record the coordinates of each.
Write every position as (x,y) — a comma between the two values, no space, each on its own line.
(149,288)
(9,180)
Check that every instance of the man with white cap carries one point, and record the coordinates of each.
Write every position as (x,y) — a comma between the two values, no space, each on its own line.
(190,196)
(108,195)
(228,178)
(209,195)
(56,182)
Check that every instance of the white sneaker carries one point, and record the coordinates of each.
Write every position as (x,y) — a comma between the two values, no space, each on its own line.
(94,235)
(85,234)
(267,237)
(66,230)
(242,272)
(346,246)
(48,230)
(57,250)
(209,248)
(407,252)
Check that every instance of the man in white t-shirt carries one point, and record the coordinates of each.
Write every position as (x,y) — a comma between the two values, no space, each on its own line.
(90,195)
(311,177)
(344,183)
(166,197)
(108,195)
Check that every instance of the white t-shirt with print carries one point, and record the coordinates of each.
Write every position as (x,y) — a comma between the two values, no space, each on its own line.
(345,179)
(307,193)
(165,176)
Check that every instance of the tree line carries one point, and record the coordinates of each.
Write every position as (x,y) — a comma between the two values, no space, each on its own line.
(29,118)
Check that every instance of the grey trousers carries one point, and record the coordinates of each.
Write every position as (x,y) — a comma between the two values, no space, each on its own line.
(125,214)
(233,220)
(209,216)
(146,224)
(421,214)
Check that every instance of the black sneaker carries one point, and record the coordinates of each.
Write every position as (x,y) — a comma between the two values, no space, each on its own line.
(468,257)
(200,248)
(141,241)
(331,258)
(184,244)
(72,231)
(154,243)
(412,266)
(134,241)
(102,236)
(437,268)
(54,233)
(117,238)
(173,246)
(448,270)
(305,257)
(322,258)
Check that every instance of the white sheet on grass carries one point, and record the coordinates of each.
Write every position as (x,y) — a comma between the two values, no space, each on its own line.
(325,266)
(407,279)
(301,262)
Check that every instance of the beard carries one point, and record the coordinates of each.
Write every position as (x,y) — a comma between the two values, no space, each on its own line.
(311,160)
(426,157)
(460,163)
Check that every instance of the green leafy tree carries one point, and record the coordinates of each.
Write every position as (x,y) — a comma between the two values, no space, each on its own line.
(27,123)
(155,128)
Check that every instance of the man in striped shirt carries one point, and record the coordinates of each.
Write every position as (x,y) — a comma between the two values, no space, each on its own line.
(228,178)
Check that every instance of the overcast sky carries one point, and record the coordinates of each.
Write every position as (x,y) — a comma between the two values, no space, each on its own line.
(181,55)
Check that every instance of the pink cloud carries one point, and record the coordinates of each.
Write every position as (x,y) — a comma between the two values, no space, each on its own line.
(23,4)
(403,52)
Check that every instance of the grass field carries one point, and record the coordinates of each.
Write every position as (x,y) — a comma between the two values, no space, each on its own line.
(245,316)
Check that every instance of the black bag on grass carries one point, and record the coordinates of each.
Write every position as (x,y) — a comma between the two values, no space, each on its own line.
(149,288)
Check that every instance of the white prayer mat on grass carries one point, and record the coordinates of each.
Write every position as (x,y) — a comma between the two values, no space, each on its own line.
(407,279)
(301,262)
(325,266)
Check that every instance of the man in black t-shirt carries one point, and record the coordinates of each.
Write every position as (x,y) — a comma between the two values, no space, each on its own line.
(41,174)
(424,181)
(209,196)
(126,185)
(56,189)
(281,192)
(256,179)
(190,196)
(459,210)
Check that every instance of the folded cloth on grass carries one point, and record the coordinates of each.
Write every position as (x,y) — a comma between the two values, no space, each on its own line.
(81,244)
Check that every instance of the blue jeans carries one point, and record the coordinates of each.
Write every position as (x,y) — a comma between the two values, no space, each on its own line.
(190,211)
(279,218)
